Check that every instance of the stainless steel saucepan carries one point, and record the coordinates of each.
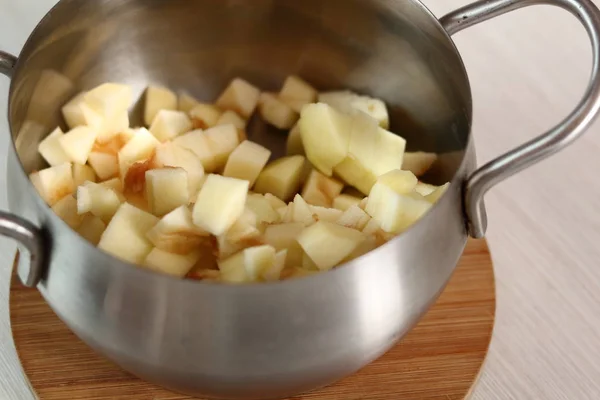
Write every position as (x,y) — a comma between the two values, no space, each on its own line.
(268,340)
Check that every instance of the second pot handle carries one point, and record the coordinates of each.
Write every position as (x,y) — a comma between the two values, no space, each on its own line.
(569,129)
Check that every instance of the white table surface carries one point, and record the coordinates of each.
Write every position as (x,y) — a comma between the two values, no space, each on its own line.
(527,70)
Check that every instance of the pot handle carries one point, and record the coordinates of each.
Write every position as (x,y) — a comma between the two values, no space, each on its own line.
(17,228)
(565,133)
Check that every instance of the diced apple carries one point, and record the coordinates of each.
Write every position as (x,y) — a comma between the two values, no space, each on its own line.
(247,265)
(99,200)
(402,182)
(105,165)
(171,264)
(262,208)
(347,101)
(345,201)
(281,177)
(288,215)
(297,92)
(169,124)
(125,236)
(434,196)
(222,140)
(54,183)
(166,189)
(172,155)
(240,96)
(294,142)
(51,150)
(115,184)
(185,102)
(308,264)
(418,162)
(273,272)
(328,244)
(320,190)
(326,136)
(368,244)
(275,112)
(227,248)
(91,228)
(107,127)
(197,142)
(275,201)
(243,229)
(231,117)
(355,218)
(83,173)
(363,203)
(141,147)
(176,232)
(77,143)
(66,209)
(205,116)
(424,188)
(247,161)
(73,113)
(220,203)
(109,99)
(158,98)
(326,214)
(302,212)
(282,236)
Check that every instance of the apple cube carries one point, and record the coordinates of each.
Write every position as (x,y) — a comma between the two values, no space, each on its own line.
(273,272)
(231,117)
(91,228)
(308,264)
(115,184)
(326,214)
(185,102)
(424,188)
(83,173)
(328,244)
(105,165)
(172,155)
(158,98)
(297,92)
(244,229)
(176,232)
(51,150)
(77,143)
(275,112)
(247,265)
(347,101)
(326,136)
(197,142)
(434,196)
(220,203)
(66,209)
(222,141)
(302,212)
(240,96)
(107,127)
(166,189)
(247,161)
(262,208)
(283,236)
(54,183)
(345,201)
(205,116)
(169,124)
(125,235)
(369,244)
(281,177)
(109,99)
(402,182)
(418,162)
(139,148)
(177,265)
(98,200)
(294,142)
(355,218)
(275,201)
(73,113)
(320,190)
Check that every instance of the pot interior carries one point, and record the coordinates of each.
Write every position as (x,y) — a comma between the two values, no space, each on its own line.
(396,51)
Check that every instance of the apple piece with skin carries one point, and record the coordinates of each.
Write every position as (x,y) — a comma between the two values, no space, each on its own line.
(166,189)
(91,228)
(418,162)
(197,142)
(125,235)
(297,92)
(326,214)
(347,101)
(231,117)
(273,272)
(176,232)
(66,209)
(77,144)
(320,190)
(222,141)
(294,142)
(281,177)
(83,173)
(139,148)
(345,201)
(73,113)
(177,265)
(158,98)
(169,124)
(328,244)
(172,155)
(105,165)
(54,183)
(98,200)
(51,150)
(262,208)
(240,96)
(220,203)
(247,161)
(325,135)
(355,218)
(276,112)
(434,196)
(247,265)
(205,116)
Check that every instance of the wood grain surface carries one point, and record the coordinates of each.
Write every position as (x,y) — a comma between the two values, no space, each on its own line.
(439,359)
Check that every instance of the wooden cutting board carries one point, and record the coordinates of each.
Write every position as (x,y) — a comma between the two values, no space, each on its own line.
(439,359)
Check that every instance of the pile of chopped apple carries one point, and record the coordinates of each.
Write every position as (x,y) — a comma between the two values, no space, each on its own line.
(187,195)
